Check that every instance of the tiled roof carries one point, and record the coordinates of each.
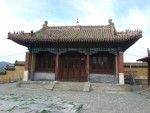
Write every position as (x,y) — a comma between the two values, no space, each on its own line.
(19,63)
(10,67)
(145,59)
(75,36)
(2,72)
(106,33)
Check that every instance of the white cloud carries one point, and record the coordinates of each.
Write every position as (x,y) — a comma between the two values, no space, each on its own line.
(94,12)
(91,12)
(101,11)
(138,20)
(135,19)
(10,23)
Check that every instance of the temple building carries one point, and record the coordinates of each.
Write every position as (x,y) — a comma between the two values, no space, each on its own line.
(76,53)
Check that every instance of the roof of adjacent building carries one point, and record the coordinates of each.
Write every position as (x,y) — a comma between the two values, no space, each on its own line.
(146,59)
(135,64)
(2,72)
(10,67)
(76,34)
(19,63)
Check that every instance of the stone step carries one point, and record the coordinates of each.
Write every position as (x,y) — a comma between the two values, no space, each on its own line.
(87,87)
(110,87)
(37,84)
(51,85)
(69,86)
(74,86)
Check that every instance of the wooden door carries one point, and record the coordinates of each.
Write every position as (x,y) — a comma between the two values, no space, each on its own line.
(72,67)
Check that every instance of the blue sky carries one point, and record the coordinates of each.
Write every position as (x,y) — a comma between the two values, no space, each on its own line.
(27,15)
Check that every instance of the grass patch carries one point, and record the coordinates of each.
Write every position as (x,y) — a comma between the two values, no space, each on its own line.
(11,108)
(24,108)
(45,111)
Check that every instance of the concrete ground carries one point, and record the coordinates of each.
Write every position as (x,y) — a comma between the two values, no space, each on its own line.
(93,102)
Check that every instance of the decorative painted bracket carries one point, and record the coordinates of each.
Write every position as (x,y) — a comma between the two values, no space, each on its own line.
(80,50)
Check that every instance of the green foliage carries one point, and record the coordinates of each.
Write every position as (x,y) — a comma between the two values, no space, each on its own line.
(78,110)
(45,111)
(39,34)
(11,108)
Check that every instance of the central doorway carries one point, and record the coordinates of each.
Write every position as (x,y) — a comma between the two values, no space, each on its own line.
(73,67)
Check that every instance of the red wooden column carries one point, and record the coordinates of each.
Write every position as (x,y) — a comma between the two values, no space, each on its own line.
(32,64)
(56,66)
(88,66)
(116,68)
(27,67)
(121,68)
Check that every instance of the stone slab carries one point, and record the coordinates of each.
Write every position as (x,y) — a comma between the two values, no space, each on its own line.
(51,85)
(87,87)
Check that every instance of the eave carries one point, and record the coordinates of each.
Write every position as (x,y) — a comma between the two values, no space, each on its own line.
(145,59)
(78,44)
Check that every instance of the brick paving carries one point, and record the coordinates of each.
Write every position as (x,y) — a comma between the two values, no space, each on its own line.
(93,102)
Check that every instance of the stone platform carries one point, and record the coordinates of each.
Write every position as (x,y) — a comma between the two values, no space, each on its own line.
(74,86)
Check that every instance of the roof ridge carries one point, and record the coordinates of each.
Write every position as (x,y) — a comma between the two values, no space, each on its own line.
(81,26)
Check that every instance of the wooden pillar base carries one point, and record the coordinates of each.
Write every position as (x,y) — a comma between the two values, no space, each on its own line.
(121,78)
(26,75)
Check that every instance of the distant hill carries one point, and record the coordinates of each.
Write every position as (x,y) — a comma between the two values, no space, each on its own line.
(4,64)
